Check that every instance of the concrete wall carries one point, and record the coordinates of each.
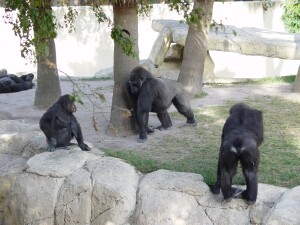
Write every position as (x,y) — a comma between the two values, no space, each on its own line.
(90,48)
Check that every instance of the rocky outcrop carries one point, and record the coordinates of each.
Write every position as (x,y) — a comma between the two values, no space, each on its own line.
(246,40)
(69,186)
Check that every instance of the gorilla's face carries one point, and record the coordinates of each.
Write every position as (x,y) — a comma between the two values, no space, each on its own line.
(68,103)
(135,83)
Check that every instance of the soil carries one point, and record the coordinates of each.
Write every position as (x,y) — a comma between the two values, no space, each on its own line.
(19,106)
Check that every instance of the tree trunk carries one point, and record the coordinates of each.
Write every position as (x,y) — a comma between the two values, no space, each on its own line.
(195,49)
(120,124)
(296,86)
(48,86)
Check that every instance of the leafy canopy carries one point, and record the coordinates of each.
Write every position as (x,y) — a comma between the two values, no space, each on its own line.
(291,15)
(34,23)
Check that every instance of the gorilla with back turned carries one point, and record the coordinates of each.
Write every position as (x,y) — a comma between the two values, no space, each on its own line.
(147,93)
(60,125)
(242,134)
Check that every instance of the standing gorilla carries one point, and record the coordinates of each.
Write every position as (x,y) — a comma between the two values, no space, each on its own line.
(60,125)
(147,93)
(242,134)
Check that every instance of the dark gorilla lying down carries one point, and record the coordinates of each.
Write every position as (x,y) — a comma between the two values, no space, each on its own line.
(60,125)
(242,134)
(13,83)
(147,93)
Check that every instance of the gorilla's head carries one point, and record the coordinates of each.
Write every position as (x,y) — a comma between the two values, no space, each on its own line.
(137,77)
(68,103)
(239,107)
(27,77)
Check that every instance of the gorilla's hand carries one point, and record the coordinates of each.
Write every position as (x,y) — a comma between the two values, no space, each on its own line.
(84,147)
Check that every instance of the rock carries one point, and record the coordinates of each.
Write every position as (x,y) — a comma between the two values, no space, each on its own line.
(3,72)
(286,210)
(21,138)
(10,167)
(72,187)
(106,73)
(161,47)
(167,197)
(246,40)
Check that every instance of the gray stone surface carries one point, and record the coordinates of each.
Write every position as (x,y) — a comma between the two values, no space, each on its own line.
(286,210)
(248,40)
(69,186)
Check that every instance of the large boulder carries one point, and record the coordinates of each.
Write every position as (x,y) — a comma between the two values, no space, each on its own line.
(72,187)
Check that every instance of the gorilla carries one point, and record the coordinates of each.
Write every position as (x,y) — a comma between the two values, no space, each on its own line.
(242,134)
(60,125)
(13,83)
(147,93)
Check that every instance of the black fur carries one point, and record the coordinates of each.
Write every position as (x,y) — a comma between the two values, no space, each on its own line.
(60,125)
(147,93)
(13,83)
(242,134)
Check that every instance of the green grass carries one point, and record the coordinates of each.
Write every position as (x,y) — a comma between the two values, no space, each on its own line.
(96,78)
(196,149)
(201,95)
(268,80)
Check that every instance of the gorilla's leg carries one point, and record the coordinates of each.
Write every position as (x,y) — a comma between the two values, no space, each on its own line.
(47,129)
(249,164)
(143,126)
(228,166)
(21,86)
(250,194)
(165,120)
(216,187)
(182,104)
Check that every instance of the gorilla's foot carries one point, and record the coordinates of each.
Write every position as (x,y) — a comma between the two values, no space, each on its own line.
(235,192)
(215,189)
(161,127)
(51,148)
(192,124)
(142,140)
(150,130)
(245,196)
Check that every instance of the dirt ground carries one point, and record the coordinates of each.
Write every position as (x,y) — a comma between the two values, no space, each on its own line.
(19,106)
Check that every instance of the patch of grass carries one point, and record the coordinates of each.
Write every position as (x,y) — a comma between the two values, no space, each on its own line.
(268,80)
(201,95)
(95,78)
(196,149)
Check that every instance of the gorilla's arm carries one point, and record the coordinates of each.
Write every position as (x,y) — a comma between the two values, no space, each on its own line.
(16,78)
(77,133)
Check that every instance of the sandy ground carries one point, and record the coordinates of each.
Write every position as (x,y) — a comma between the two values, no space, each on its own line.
(19,106)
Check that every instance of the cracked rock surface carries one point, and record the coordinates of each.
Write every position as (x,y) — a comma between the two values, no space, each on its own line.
(69,186)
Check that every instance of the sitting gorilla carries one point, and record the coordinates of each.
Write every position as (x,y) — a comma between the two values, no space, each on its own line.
(13,83)
(60,125)
(242,134)
(147,93)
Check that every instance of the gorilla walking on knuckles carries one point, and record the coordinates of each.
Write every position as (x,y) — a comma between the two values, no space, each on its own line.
(147,93)
(60,125)
(242,134)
